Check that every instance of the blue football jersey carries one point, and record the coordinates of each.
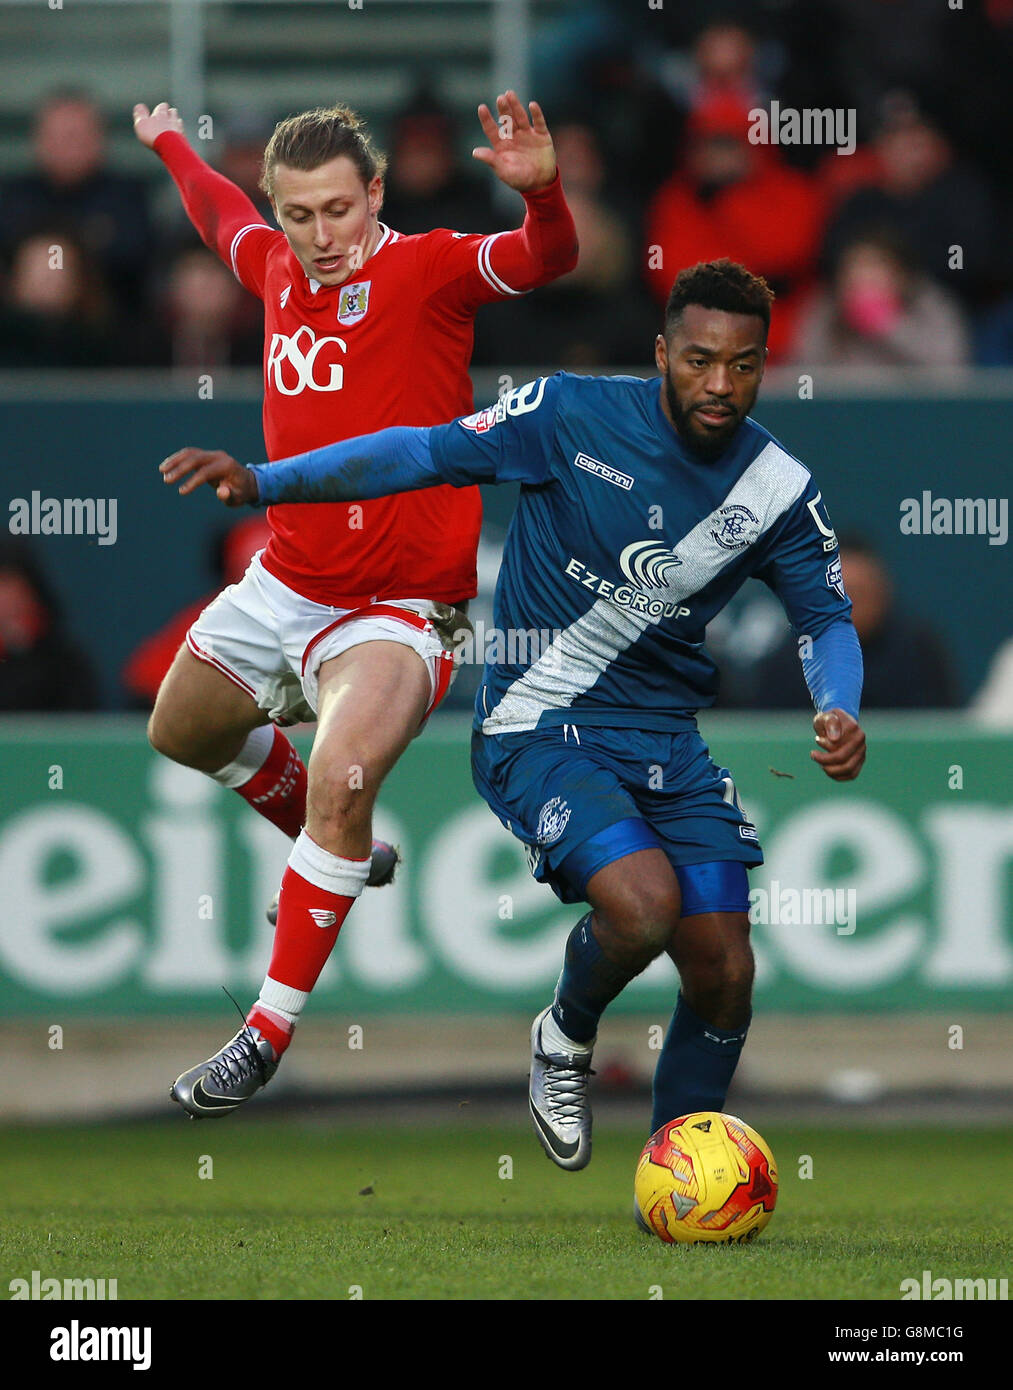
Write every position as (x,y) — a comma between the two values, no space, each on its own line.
(623,547)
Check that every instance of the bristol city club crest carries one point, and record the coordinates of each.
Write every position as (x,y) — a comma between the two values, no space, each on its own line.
(353,303)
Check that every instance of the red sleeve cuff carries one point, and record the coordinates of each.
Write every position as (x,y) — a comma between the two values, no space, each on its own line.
(172,147)
(549,196)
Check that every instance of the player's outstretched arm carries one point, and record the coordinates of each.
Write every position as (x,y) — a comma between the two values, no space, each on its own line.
(220,211)
(521,154)
(393,460)
(508,442)
(841,742)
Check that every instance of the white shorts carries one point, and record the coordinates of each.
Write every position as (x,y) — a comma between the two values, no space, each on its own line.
(271,642)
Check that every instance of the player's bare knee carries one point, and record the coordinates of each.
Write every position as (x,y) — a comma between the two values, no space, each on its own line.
(639,924)
(164,739)
(340,797)
(653,929)
(172,740)
(654,911)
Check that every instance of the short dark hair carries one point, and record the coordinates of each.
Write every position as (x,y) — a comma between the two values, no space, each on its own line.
(315,137)
(722,284)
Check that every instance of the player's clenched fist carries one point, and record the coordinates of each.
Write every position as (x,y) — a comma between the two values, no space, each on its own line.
(149,125)
(234,485)
(843,743)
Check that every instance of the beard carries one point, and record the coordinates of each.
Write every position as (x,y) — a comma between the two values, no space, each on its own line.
(709,445)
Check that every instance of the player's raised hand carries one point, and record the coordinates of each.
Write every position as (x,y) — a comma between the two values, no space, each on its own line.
(149,125)
(842,742)
(233,484)
(520,150)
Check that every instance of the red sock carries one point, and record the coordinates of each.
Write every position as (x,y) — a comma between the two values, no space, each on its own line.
(309,919)
(278,790)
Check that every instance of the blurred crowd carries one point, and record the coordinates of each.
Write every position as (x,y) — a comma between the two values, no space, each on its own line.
(897,252)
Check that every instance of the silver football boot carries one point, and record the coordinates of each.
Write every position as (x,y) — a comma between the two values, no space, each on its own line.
(235,1073)
(558,1100)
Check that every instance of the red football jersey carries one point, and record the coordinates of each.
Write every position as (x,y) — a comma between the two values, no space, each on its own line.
(390,346)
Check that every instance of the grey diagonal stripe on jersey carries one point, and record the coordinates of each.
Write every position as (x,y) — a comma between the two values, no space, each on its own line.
(583,652)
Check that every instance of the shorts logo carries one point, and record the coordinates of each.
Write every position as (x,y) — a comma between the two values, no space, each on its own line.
(552,821)
(353,303)
(748,832)
(735,527)
(835,579)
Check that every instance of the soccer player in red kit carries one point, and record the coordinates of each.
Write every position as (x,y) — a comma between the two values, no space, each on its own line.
(348,616)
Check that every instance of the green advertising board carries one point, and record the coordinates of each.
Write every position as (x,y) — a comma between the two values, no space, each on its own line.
(129,885)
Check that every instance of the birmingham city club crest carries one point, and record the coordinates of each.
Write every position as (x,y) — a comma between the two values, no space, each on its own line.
(552,821)
(735,527)
(353,303)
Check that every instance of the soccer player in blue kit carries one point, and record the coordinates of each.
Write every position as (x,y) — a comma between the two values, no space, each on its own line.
(644,506)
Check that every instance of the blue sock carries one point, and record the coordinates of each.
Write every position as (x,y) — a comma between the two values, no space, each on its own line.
(696,1066)
(589,981)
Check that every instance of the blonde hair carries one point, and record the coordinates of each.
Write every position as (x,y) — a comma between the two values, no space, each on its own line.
(313,137)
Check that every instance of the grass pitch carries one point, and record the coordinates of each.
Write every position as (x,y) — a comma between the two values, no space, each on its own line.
(297,1211)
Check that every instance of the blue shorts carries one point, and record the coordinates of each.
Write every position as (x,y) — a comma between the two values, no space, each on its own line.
(580,797)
